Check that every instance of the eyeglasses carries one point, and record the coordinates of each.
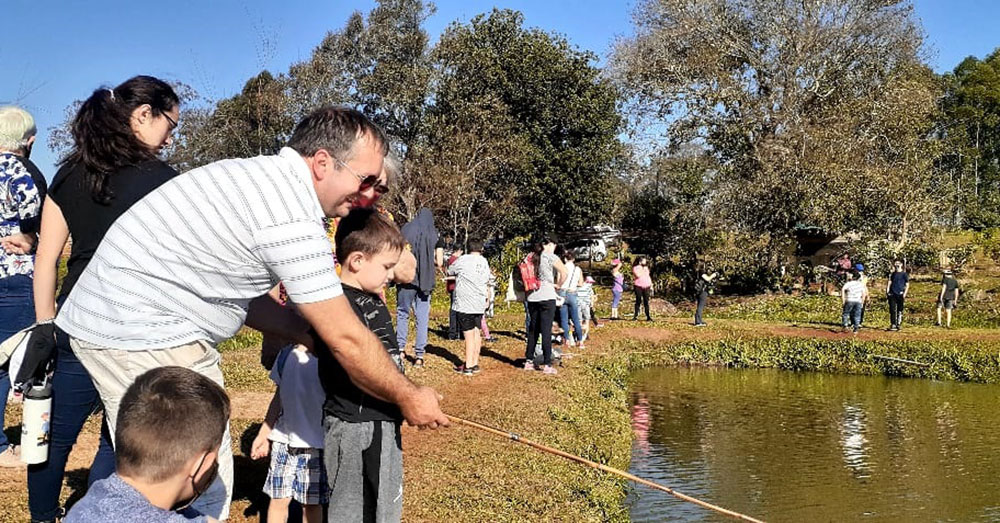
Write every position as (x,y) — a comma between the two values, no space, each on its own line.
(365,182)
(173,123)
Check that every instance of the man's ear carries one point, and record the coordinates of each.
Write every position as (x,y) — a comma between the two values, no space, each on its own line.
(321,162)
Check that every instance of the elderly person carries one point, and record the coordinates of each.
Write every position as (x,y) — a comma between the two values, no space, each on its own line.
(20,208)
(187,266)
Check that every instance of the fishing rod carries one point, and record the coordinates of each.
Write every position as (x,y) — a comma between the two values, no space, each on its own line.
(572,457)
(911,362)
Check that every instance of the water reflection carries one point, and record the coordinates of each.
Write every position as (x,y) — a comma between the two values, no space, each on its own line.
(789,446)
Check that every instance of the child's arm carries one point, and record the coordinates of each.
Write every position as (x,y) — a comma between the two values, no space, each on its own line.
(261,446)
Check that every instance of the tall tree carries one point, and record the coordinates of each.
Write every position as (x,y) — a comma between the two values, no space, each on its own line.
(779,91)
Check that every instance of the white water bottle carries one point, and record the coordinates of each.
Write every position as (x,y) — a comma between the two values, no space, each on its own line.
(35,424)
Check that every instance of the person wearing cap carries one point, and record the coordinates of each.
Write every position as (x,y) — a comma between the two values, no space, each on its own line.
(617,288)
(948,297)
(703,287)
(20,212)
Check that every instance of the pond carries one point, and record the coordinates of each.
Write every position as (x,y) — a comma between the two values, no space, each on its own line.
(787,446)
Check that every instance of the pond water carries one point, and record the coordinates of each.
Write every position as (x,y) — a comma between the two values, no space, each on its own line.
(787,446)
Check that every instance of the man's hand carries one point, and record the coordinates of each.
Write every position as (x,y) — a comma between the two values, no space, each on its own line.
(423,410)
(261,446)
(405,269)
(18,243)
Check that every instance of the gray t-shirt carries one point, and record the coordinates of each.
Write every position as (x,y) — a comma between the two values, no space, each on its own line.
(546,276)
(112,499)
(472,277)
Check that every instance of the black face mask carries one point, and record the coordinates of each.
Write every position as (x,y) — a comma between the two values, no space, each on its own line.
(200,487)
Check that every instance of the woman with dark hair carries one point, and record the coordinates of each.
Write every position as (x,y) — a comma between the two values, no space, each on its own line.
(542,302)
(117,137)
(643,284)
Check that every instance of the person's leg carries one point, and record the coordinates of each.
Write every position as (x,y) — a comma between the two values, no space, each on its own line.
(453,332)
(422,310)
(856,315)
(310,514)
(548,312)
(616,298)
(389,491)
(343,446)
(939,314)
(477,346)
(845,316)
(638,303)
(564,318)
(16,312)
(947,313)
(404,302)
(470,345)
(574,315)
(892,311)
(534,311)
(4,392)
(702,299)
(645,303)
(277,509)
(899,312)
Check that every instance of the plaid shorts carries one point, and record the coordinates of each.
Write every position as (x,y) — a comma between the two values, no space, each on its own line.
(298,474)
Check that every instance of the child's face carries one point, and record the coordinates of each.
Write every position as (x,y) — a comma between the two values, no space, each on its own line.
(371,273)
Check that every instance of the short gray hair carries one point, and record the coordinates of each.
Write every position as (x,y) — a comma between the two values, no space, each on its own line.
(16,128)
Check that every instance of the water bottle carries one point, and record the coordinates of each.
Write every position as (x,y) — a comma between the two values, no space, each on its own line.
(35,423)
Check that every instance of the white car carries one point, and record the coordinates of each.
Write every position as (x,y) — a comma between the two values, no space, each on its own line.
(589,249)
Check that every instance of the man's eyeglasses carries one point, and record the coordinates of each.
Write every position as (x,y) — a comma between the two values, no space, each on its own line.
(366,182)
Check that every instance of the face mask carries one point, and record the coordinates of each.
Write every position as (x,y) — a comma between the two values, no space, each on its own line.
(199,487)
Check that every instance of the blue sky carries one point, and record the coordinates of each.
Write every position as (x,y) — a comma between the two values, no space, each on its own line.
(57,52)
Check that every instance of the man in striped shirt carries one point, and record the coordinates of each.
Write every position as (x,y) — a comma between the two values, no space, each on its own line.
(193,261)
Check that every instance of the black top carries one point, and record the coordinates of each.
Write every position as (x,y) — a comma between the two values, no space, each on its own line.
(344,399)
(34,224)
(88,220)
(899,280)
(950,287)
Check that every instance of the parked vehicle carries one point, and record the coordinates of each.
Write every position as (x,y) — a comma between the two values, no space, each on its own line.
(589,249)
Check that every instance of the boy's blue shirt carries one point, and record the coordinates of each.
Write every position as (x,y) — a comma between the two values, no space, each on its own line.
(113,500)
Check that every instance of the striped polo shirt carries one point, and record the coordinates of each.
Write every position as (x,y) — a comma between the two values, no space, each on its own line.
(183,263)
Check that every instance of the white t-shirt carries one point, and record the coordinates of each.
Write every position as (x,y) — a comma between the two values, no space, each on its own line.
(301,395)
(855,291)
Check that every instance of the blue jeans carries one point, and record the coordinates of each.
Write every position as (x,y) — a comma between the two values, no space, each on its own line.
(852,314)
(17,311)
(570,311)
(407,298)
(74,398)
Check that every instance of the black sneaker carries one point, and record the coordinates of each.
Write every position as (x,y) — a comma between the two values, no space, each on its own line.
(469,371)
(418,363)
(473,369)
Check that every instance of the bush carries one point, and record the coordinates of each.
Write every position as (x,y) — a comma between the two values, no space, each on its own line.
(989,241)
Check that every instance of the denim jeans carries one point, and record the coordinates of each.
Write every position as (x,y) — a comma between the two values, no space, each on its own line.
(411,298)
(17,311)
(852,314)
(74,399)
(570,311)
(702,301)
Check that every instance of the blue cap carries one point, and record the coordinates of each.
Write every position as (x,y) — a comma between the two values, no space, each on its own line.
(859,267)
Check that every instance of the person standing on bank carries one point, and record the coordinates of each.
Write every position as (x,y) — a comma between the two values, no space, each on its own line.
(702,288)
(643,285)
(853,295)
(541,303)
(117,135)
(197,257)
(896,290)
(948,297)
(422,237)
(20,205)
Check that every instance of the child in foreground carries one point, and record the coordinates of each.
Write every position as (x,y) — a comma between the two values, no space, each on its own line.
(170,426)
(363,449)
(293,434)
(472,278)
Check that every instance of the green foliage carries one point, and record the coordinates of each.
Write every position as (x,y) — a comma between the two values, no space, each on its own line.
(989,241)
(504,262)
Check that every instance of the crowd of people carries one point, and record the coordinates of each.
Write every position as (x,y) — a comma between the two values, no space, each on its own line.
(856,297)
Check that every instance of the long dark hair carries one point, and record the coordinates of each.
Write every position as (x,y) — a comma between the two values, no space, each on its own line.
(103,139)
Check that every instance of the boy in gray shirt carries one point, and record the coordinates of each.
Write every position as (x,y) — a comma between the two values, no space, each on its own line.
(472,277)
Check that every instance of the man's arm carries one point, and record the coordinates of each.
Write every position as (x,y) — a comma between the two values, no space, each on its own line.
(267,316)
(368,364)
(906,289)
(405,269)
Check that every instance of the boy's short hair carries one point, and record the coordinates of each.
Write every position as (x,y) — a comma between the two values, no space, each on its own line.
(475,245)
(166,417)
(367,231)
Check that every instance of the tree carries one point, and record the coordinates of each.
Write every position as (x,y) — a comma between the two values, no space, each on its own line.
(786,95)
(537,113)
(971,124)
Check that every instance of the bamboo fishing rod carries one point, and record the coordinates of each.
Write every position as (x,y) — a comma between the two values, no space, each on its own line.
(572,457)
